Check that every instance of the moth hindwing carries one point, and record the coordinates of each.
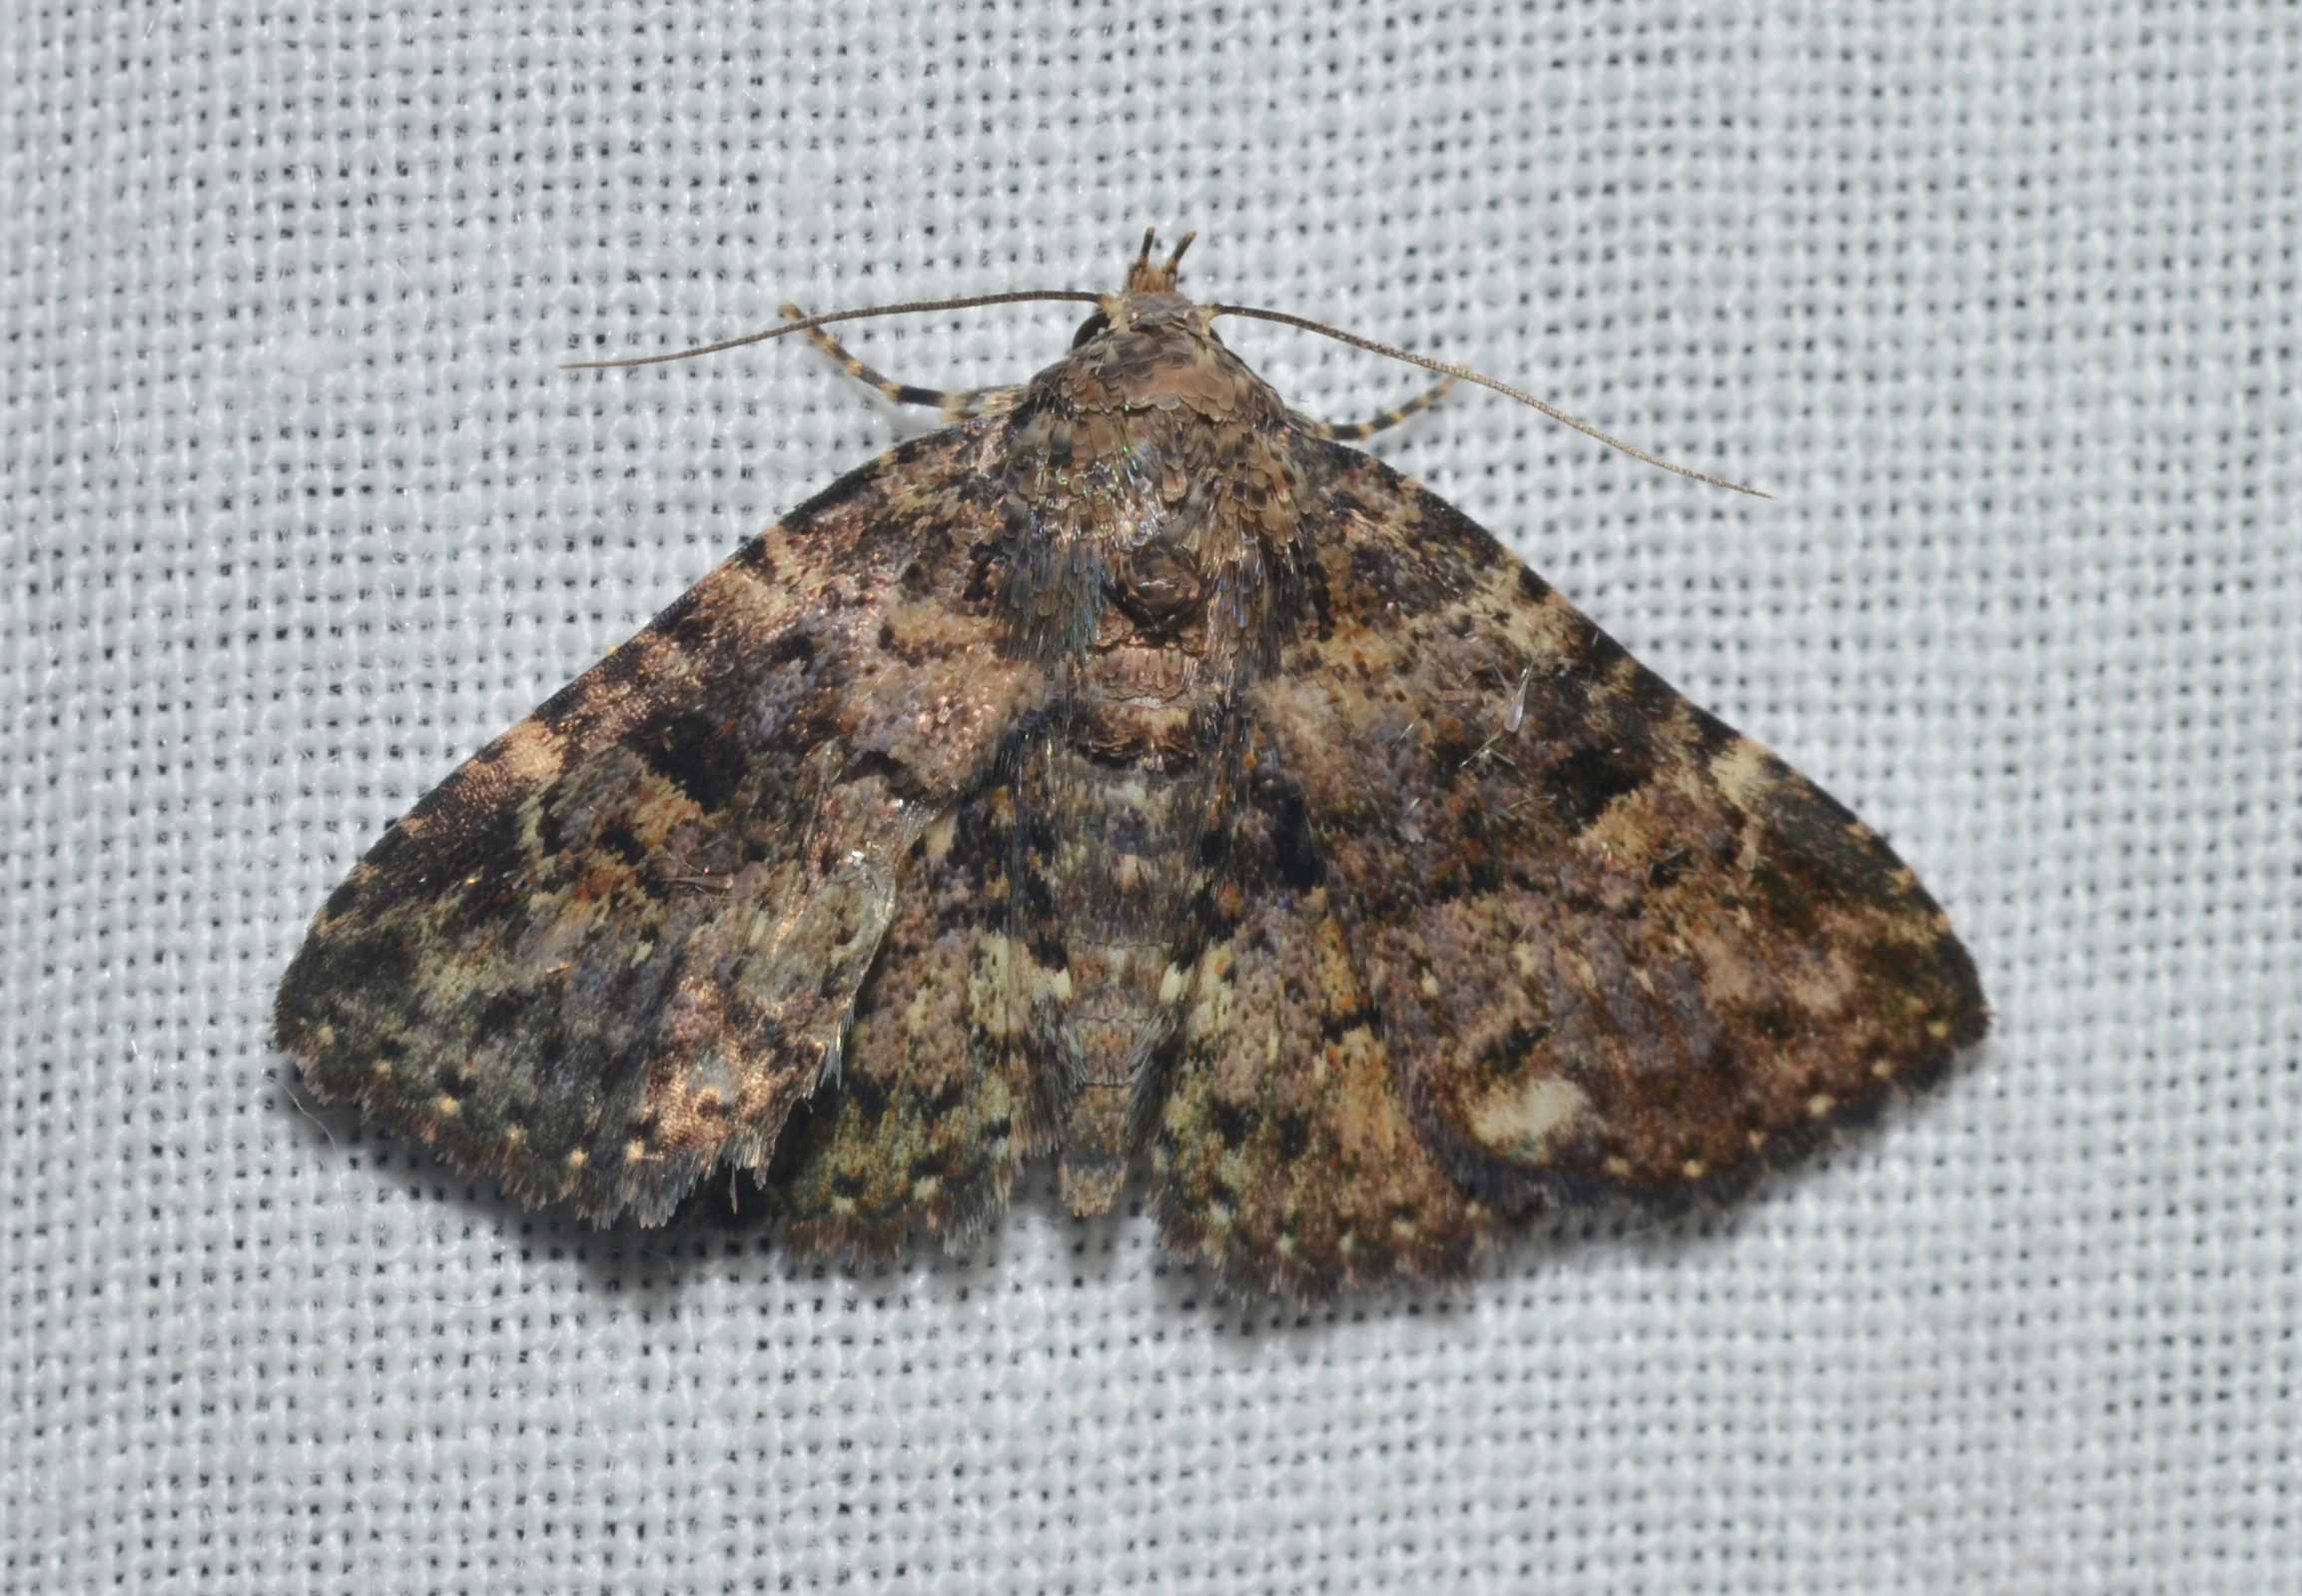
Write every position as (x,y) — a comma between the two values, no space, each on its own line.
(1130,773)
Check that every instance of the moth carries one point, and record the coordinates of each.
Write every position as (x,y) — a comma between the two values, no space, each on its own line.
(1130,772)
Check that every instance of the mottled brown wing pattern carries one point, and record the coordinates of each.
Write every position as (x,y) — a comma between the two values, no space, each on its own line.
(1131,768)
(624,940)
(1282,1147)
(1615,946)
(946,1085)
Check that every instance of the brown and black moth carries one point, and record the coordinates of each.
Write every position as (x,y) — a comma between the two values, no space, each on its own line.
(1131,773)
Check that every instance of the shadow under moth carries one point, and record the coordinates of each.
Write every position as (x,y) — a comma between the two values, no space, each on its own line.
(1130,772)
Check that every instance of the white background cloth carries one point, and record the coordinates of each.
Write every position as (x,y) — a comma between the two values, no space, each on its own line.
(298,512)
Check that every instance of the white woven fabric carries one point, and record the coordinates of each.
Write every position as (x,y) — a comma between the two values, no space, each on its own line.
(296,512)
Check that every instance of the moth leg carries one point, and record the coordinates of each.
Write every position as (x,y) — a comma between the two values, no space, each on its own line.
(956,407)
(1354,430)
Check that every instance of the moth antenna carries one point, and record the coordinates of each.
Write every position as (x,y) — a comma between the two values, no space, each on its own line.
(968,303)
(1469,376)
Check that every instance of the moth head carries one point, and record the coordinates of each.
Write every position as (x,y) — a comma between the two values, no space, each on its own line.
(1148,299)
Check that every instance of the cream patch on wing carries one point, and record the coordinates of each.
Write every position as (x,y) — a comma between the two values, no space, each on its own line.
(1740,771)
(1518,1118)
